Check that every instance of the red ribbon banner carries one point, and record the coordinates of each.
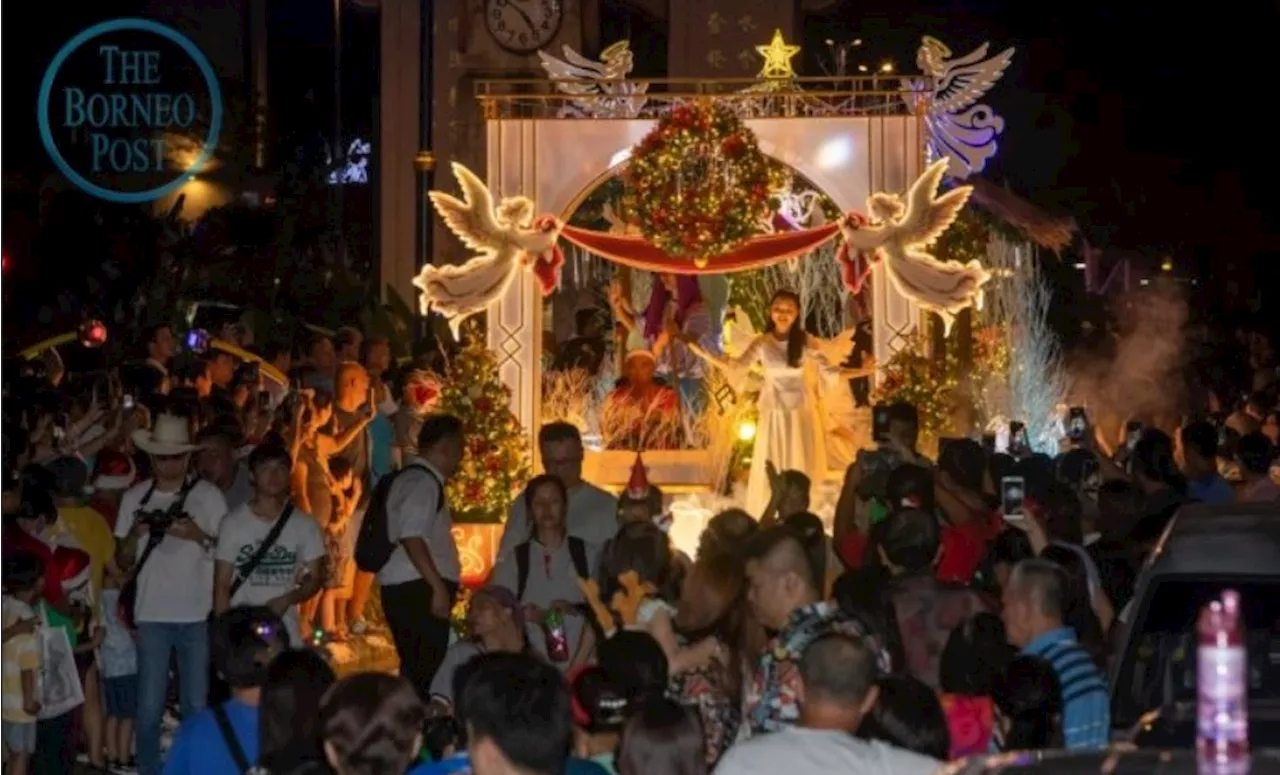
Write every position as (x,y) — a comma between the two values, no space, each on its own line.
(756,253)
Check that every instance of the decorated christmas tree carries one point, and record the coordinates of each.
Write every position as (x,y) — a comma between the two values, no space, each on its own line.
(495,463)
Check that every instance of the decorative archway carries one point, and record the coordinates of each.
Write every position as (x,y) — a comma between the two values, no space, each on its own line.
(557,162)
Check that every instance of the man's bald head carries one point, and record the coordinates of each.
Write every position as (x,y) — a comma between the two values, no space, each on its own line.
(837,670)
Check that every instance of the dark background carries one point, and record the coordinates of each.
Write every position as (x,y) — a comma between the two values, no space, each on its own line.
(1150,124)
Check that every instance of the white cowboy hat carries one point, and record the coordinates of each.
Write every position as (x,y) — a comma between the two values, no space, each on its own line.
(170,436)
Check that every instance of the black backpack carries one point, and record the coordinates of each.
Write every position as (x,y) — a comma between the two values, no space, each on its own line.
(374,545)
(577,551)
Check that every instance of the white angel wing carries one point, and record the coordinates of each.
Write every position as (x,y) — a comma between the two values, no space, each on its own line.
(473,218)
(929,215)
(969,77)
(738,333)
(576,76)
(837,349)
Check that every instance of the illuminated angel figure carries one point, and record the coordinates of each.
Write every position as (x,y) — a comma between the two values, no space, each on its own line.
(959,129)
(507,237)
(605,93)
(793,424)
(900,230)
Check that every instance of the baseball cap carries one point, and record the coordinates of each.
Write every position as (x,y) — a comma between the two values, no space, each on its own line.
(505,598)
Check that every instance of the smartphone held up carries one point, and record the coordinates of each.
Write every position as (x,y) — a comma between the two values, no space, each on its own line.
(1013,494)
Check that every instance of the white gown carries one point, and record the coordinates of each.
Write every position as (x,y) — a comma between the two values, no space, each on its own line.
(789,431)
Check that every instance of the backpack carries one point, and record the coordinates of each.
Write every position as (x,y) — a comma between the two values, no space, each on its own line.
(373,544)
(577,551)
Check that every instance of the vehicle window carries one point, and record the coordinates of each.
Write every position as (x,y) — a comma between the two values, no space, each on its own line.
(1158,668)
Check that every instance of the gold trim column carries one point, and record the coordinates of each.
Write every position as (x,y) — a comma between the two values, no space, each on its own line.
(398,148)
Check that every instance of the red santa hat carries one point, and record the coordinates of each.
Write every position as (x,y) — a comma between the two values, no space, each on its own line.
(114,471)
(638,486)
(73,567)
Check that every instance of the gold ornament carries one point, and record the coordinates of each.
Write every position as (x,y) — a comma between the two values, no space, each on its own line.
(777,58)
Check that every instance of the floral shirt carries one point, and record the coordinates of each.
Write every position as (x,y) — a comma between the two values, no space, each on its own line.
(771,701)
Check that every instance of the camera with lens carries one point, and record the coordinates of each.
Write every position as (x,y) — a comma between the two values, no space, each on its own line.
(158,521)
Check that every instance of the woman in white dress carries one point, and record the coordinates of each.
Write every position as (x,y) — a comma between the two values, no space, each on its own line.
(789,432)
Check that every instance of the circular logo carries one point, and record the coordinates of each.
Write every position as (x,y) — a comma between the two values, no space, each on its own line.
(105,113)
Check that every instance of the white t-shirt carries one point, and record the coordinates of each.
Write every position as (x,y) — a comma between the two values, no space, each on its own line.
(411,513)
(176,585)
(592,515)
(800,751)
(300,544)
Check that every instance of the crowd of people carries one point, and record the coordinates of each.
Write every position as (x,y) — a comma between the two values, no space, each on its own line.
(188,529)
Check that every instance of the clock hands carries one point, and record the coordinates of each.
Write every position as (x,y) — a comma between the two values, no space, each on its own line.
(533,28)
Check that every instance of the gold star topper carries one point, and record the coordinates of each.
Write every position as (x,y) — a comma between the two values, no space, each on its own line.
(777,58)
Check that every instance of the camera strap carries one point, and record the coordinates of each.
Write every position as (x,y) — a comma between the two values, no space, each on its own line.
(243,572)
(153,540)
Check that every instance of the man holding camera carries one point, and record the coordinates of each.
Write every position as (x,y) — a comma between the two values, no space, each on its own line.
(168,527)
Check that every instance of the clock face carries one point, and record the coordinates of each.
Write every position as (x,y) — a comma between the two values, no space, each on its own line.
(523,26)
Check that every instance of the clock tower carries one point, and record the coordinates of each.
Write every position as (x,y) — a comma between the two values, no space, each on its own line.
(455,44)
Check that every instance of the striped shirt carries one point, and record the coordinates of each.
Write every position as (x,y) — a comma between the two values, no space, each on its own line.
(1086,704)
(19,655)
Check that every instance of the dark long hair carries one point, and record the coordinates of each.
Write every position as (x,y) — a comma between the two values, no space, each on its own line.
(537,483)
(662,738)
(287,732)
(1028,694)
(796,336)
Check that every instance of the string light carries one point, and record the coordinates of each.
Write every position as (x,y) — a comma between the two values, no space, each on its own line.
(777,59)
(698,184)
(747,431)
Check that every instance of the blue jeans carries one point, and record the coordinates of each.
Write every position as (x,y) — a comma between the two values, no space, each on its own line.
(156,641)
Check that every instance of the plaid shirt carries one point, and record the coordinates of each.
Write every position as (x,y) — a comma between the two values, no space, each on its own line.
(771,701)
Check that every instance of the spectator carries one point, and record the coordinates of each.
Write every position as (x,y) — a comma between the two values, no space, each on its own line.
(223,740)
(288,736)
(1029,707)
(661,738)
(218,464)
(907,715)
(517,712)
(23,582)
(1254,454)
(495,624)
(837,675)
(974,653)
(1198,445)
(1035,602)
(420,578)
(287,544)
(925,609)
(592,512)
(783,594)
(371,724)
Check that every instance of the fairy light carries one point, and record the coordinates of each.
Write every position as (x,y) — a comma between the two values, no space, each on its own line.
(698,184)
(746,431)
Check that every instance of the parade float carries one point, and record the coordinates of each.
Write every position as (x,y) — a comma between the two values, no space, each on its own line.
(841,189)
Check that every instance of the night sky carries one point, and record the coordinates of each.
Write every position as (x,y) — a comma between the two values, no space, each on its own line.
(1149,124)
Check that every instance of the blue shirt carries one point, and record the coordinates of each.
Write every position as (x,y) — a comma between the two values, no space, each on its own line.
(381,438)
(461,765)
(1086,704)
(1211,489)
(200,748)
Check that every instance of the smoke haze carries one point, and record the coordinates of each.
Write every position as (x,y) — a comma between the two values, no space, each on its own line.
(1141,377)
